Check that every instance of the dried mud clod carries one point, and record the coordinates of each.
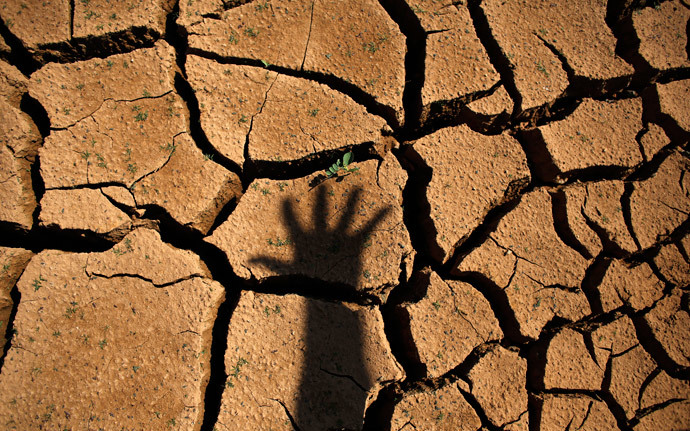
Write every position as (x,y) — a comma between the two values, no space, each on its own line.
(19,142)
(100,324)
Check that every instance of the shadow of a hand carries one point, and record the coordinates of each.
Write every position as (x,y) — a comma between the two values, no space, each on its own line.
(325,245)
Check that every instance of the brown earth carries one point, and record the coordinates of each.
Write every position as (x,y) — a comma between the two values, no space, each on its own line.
(508,247)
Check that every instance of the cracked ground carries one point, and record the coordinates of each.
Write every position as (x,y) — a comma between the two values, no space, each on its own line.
(509,249)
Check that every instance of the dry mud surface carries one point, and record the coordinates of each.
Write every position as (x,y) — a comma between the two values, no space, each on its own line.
(509,250)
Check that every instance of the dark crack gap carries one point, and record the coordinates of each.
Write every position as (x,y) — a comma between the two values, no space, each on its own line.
(396,320)
(559,213)
(184,89)
(646,337)
(308,165)
(379,414)
(415,57)
(496,56)
(416,207)
(90,47)
(19,56)
(333,82)
(10,330)
(41,238)
(216,261)
(594,274)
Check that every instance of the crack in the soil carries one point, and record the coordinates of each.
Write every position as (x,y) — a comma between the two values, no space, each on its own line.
(415,57)
(306,45)
(333,82)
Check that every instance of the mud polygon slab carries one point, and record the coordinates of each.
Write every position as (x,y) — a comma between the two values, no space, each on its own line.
(472,173)
(12,261)
(528,32)
(662,33)
(674,100)
(275,32)
(41,23)
(191,187)
(320,362)
(19,141)
(596,134)
(121,143)
(71,92)
(579,411)
(449,322)
(673,265)
(81,209)
(13,84)
(654,215)
(603,206)
(636,286)
(301,118)
(229,96)
(669,323)
(357,41)
(93,349)
(456,62)
(569,364)
(498,384)
(433,410)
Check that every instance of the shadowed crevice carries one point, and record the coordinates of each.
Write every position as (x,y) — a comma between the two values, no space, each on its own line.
(417,210)
(379,415)
(496,56)
(19,56)
(415,57)
(590,282)
(10,329)
(559,212)
(649,342)
(500,305)
(333,82)
(184,89)
(102,46)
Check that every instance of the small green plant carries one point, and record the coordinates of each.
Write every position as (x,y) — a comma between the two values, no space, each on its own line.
(38,283)
(341,165)
(251,32)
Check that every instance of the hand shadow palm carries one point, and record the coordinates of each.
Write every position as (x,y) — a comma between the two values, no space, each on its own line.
(323,248)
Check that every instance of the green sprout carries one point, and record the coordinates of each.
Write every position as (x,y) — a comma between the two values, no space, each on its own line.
(338,165)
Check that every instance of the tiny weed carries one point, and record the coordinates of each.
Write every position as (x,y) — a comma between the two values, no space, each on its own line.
(38,283)
(102,343)
(436,305)
(251,32)
(141,116)
(541,68)
(314,112)
(279,242)
(208,156)
(341,165)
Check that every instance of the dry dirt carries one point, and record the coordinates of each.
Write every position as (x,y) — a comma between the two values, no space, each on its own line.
(509,250)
